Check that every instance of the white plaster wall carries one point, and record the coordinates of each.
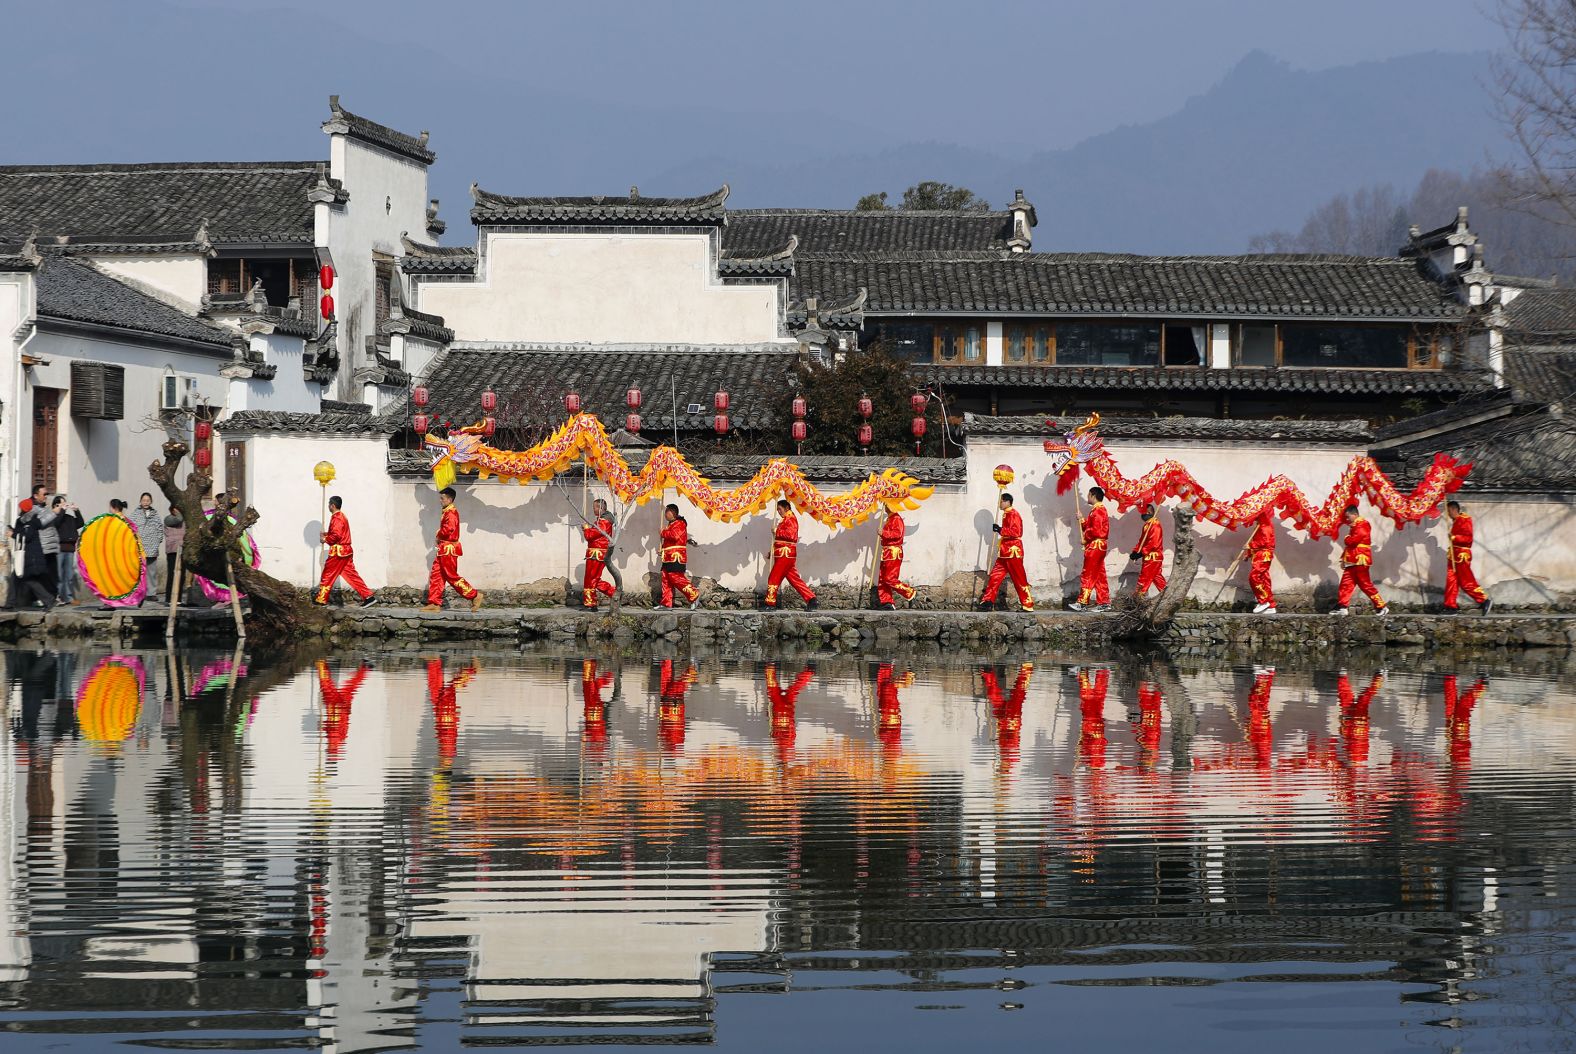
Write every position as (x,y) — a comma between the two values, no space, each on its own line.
(603,288)
(388,195)
(289,391)
(16,307)
(100,460)
(182,280)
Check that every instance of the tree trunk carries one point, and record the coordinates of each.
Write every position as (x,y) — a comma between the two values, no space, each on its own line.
(278,608)
(1143,621)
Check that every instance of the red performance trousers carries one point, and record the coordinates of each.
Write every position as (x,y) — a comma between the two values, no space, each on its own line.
(1149,576)
(1353,578)
(595,583)
(1009,567)
(1259,576)
(336,567)
(446,571)
(677,580)
(888,583)
(1093,582)
(787,568)
(1460,579)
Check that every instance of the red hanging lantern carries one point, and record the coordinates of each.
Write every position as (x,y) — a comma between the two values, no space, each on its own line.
(918,428)
(489,401)
(800,407)
(418,395)
(719,402)
(203,457)
(866,408)
(719,424)
(419,423)
(572,402)
(632,424)
(800,431)
(325,277)
(204,431)
(489,426)
(917,401)
(326,305)
(866,435)
(632,399)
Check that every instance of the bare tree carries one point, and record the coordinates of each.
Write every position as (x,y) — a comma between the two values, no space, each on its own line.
(1537,96)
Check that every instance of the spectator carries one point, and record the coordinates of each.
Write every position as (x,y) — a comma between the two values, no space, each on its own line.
(68,528)
(38,579)
(150,531)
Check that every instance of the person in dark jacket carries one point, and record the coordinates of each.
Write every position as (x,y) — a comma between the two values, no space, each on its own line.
(38,573)
(68,528)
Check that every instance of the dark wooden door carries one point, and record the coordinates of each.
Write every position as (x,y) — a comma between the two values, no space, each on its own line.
(235,473)
(46,438)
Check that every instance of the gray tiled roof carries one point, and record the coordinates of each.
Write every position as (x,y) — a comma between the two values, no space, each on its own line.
(1542,313)
(437,259)
(76,292)
(238,201)
(769,261)
(1101,284)
(635,209)
(379,135)
(1179,428)
(753,231)
(1534,451)
(1200,379)
(532,381)
(330,422)
(821,468)
(1545,373)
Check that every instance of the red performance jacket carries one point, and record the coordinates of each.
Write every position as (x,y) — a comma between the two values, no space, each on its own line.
(1151,543)
(449,533)
(1461,537)
(785,540)
(675,542)
(1359,550)
(337,537)
(599,535)
(1096,529)
(892,537)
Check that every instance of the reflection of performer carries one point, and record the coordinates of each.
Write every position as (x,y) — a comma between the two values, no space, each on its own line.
(339,558)
(785,559)
(1008,710)
(599,539)
(336,705)
(888,581)
(670,705)
(446,706)
(1092,687)
(1354,715)
(1357,559)
(1458,718)
(1146,729)
(446,562)
(1094,586)
(594,710)
(675,559)
(1009,559)
(889,708)
(1261,554)
(782,703)
(1151,551)
(1261,736)
(1458,575)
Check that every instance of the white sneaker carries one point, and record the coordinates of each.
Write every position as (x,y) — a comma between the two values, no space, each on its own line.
(1383,612)
(1259,609)
(1101,607)
(1075,606)
(1269,611)
(1341,611)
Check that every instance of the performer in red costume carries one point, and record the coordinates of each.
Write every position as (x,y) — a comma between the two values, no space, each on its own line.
(888,582)
(675,559)
(339,559)
(1151,550)
(670,705)
(889,708)
(336,705)
(599,539)
(446,563)
(1458,575)
(446,706)
(1146,729)
(1356,564)
(594,710)
(1261,556)
(1092,687)
(782,704)
(1354,715)
(1458,718)
(1261,736)
(1008,710)
(1096,528)
(785,559)
(1009,559)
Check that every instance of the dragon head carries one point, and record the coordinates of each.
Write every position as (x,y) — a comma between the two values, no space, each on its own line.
(457,448)
(1078,447)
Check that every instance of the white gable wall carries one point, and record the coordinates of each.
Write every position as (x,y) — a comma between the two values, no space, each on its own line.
(603,287)
(179,281)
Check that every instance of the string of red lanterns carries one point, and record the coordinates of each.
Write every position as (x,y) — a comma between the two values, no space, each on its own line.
(719,423)
(800,430)
(325,281)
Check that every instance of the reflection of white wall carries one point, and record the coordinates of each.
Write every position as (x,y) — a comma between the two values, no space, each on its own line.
(603,288)
(15,947)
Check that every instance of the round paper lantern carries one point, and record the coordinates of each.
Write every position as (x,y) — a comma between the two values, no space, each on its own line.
(632,424)
(719,402)
(418,395)
(1002,474)
(918,428)
(203,457)
(489,401)
(326,305)
(572,402)
(800,431)
(325,277)
(489,426)
(323,472)
(800,407)
(632,398)
(866,407)
(917,402)
(720,424)
(866,434)
(204,431)
(419,423)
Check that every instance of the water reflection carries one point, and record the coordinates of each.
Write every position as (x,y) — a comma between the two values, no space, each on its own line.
(398,850)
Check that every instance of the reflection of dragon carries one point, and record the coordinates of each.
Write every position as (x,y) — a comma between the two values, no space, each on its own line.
(583,437)
(1082,448)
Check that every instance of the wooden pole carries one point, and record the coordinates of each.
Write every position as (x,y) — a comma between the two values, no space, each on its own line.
(235,599)
(175,593)
(1232,570)
(322,549)
(995,542)
(875,569)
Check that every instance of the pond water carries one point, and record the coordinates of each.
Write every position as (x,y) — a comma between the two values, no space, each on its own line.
(405,850)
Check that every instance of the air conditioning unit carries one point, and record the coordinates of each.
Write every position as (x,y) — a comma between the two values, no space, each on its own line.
(177,392)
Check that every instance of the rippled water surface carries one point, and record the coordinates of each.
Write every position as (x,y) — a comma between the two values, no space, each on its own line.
(395,851)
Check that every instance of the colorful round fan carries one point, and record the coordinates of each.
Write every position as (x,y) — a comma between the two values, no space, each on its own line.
(110,698)
(217,592)
(110,560)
